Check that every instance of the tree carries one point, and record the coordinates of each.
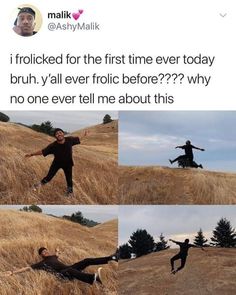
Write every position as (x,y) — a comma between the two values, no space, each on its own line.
(45,127)
(107,119)
(199,239)
(32,208)
(125,251)
(4,117)
(223,234)
(161,245)
(141,242)
(78,217)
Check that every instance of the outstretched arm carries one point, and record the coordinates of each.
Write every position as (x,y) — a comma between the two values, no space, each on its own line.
(173,241)
(20,270)
(179,147)
(38,153)
(197,148)
(84,135)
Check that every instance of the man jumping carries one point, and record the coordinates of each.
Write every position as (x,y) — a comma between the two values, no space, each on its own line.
(50,263)
(182,255)
(188,148)
(62,151)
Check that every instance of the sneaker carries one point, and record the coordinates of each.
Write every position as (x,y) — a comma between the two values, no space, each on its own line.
(98,275)
(115,256)
(200,166)
(69,192)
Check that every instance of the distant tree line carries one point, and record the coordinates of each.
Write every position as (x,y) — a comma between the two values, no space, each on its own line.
(141,242)
(45,127)
(79,218)
(32,208)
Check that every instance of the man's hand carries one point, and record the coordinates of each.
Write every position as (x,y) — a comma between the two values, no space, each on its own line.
(17,30)
(57,251)
(28,155)
(6,274)
(202,150)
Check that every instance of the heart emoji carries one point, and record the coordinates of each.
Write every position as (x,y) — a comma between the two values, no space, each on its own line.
(81,11)
(76,15)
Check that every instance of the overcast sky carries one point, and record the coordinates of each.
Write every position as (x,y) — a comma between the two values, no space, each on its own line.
(94,212)
(69,121)
(175,222)
(150,138)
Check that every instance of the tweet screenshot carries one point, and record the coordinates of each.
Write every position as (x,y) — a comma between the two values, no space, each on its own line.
(113,110)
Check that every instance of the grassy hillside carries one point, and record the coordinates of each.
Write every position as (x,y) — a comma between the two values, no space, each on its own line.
(205,273)
(162,185)
(23,233)
(95,170)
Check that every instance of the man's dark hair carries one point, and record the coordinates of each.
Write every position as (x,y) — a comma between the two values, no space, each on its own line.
(186,241)
(56,130)
(40,250)
(25,10)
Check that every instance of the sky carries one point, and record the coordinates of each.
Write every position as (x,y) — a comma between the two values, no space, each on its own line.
(67,120)
(150,138)
(175,222)
(95,212)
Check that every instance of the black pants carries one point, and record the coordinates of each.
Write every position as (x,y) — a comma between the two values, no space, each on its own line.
(53,170)
(75,271)
(183,157)
(177,257)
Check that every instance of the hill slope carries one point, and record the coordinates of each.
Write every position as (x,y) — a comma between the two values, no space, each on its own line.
(205,273)
(95,170)
(162,185)
(23,233)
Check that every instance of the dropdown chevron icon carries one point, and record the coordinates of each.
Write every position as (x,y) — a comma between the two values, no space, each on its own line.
(223,14)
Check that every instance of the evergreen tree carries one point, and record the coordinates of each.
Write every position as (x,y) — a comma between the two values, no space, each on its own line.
(78,217)
(107,119)
(4,117)
(223,234)
(125,251)
(45,127)
(141,242)
(199,239)
(161,245)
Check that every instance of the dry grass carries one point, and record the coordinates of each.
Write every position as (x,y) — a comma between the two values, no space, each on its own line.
(205,273)
(95,171)
(23,233)
(162,185)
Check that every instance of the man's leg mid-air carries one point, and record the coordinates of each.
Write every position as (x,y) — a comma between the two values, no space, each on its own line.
(178,159)
(51,173)
(172,261)
(183,261)
(93,261)
(72,273)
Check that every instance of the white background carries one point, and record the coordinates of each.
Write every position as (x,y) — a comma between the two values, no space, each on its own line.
(141,27)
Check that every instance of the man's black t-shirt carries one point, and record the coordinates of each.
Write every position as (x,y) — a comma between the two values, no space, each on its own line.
(50,263)
(62,152)
(184,248)
(188,148)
